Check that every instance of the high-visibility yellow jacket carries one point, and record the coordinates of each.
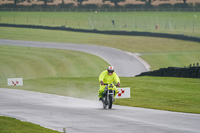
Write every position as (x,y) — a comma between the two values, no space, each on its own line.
(106,78)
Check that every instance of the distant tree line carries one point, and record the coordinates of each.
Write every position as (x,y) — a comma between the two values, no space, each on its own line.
(148,3)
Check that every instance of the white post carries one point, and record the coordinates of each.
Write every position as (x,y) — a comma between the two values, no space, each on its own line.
(91,22)
(170,25)
(194,22)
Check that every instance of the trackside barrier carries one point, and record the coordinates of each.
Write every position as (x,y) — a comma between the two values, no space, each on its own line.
(130,33)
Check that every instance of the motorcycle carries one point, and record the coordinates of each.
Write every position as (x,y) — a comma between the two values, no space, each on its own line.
(108,95)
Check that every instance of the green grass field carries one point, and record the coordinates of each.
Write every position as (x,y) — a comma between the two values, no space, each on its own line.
(187,23)
(172,59)
(42,63)
(11,125)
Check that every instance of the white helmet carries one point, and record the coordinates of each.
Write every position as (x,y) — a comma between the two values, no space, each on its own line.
(110,69)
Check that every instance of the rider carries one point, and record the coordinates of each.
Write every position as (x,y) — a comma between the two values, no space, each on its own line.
(108,76)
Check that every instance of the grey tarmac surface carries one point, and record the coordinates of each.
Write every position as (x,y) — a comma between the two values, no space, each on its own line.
(84,116)
(126,64)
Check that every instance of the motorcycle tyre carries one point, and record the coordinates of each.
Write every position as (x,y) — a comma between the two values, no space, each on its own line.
(104,103)
(110,102)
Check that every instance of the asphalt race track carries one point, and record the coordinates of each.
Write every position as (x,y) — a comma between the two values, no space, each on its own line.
(84,116)
(126,64)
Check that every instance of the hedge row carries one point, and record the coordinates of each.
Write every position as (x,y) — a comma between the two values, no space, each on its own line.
(129,33)
(186,72)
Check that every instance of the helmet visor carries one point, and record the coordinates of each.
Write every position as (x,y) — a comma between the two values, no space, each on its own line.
(110,71)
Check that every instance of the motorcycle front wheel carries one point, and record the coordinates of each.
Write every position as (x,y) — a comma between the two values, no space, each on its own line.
(104,103)
(110,102)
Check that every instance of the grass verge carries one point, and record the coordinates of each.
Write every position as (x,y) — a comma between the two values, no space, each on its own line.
(163,93)
(31,63)
(172,59)
(12,125)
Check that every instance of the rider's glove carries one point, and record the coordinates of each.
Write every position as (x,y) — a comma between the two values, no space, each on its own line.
(101,82)
(118,84)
